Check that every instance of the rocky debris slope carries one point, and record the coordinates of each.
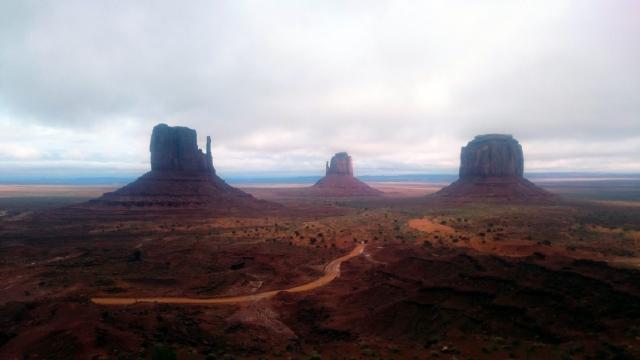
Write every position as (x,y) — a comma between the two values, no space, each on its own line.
(492,166)
(339,180)
(181,176)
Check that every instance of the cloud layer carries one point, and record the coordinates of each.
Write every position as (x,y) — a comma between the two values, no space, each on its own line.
(282,85)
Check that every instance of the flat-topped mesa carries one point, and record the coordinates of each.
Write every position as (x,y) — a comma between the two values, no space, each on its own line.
(341,164)
(491,167)
(492,155)
(176,149)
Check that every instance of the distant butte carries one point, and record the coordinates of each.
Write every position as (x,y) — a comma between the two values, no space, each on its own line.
(492,167)
(176,149)
(341,164)
(339,180)
(181,176)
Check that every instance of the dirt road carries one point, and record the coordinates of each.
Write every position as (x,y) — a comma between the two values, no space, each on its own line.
(331,271)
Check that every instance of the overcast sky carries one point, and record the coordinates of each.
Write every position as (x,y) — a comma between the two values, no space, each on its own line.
(282,85)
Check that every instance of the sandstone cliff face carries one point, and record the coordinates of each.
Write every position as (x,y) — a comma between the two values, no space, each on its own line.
(181,176)
(341,164)
(491,167)
(492,155)
(176,149)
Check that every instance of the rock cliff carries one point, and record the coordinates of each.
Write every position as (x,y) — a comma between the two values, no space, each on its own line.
(181,176)
(340,164)
(176,149)
(492,167)
(491,155)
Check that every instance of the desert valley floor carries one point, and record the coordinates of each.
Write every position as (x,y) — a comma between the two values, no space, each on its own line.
(400,276)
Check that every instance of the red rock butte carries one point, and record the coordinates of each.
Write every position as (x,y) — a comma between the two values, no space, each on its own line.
(492,167)
(339,180)
(181,176)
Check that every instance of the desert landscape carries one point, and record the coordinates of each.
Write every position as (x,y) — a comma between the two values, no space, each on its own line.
(407,271)
(320,180)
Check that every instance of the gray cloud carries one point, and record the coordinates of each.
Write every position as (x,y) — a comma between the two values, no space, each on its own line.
(282,85)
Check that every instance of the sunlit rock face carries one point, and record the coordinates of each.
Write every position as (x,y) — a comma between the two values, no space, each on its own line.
(492,155)
(181,176)
(340,164)
(492,167)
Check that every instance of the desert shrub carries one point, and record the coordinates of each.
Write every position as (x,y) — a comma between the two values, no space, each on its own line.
(368,352)
(162,352)
(135,256)
(626,218)
(5,337)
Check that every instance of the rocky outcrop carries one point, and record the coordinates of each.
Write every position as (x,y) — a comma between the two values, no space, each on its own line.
(181,176)
(339,180)
(341,164)
(176,149)
(491,155)
(492,167)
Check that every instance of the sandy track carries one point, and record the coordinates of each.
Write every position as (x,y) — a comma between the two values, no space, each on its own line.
(331,271)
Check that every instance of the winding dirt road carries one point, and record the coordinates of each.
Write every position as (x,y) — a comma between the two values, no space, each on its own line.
(331,271)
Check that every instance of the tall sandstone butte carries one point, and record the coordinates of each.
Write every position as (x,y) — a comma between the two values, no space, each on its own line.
(341,164)
(339,180)
(176,149)
(492,166)
(181,176)
(492,155)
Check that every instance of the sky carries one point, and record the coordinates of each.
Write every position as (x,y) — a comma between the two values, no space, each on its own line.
(282,85)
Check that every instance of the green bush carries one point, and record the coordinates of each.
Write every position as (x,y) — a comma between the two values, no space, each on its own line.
(162,352)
